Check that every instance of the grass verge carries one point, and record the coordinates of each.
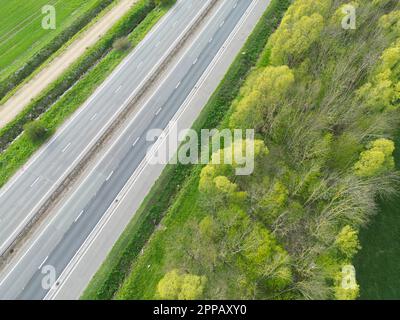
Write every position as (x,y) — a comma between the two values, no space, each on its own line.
(124,254)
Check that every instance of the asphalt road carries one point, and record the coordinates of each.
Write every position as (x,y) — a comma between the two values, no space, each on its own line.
(21,198)
(66,233)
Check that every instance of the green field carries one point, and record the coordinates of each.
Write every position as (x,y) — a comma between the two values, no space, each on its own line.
(378,263)
(175,178)
(21,32)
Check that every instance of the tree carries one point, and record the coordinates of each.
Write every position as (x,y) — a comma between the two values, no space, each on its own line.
(36,131)
(347,242)
(266,92)
(291,41)
(376,160)
(382,92)
(175,285)
(213,177)
(192,287)
(273,202)
(346,284)
(266,262)
(224,185)
(391,22)
(170,285)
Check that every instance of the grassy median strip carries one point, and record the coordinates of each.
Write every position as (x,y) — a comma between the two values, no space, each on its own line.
(118,264)
(142,17)
(16,49)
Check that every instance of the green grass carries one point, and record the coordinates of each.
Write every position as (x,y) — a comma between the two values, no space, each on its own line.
(21,33)
(164,193)
(378,263)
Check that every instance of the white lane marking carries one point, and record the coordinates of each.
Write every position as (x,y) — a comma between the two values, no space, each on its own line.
(119,88)
(66,148)
(158,111)
(79,215)
(110,175)
(195,61)
(235,5)
(36,181)
(211,39)
(65,126)
(44,261)
(136,141)
(222,23)
(94,117)
(177,86)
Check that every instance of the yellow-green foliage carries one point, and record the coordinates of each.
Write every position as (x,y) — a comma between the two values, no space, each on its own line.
(383,91)
(266,260)
(175,285)
(211,171)
(299,30)
(347,242)
(346,287)
(391,22)
(264,94)
(377,159)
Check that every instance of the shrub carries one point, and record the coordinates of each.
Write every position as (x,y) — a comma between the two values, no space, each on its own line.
(36,131)
(121,44)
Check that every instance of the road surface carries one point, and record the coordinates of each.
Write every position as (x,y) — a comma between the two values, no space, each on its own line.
(70,227)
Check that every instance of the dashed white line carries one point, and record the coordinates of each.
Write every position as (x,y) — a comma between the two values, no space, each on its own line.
(158,111)
(93,117)
(79,215)
(177,86)
(195,61)
(44,261)
(136,141)
(222,23)
(211,39)
(119,88)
